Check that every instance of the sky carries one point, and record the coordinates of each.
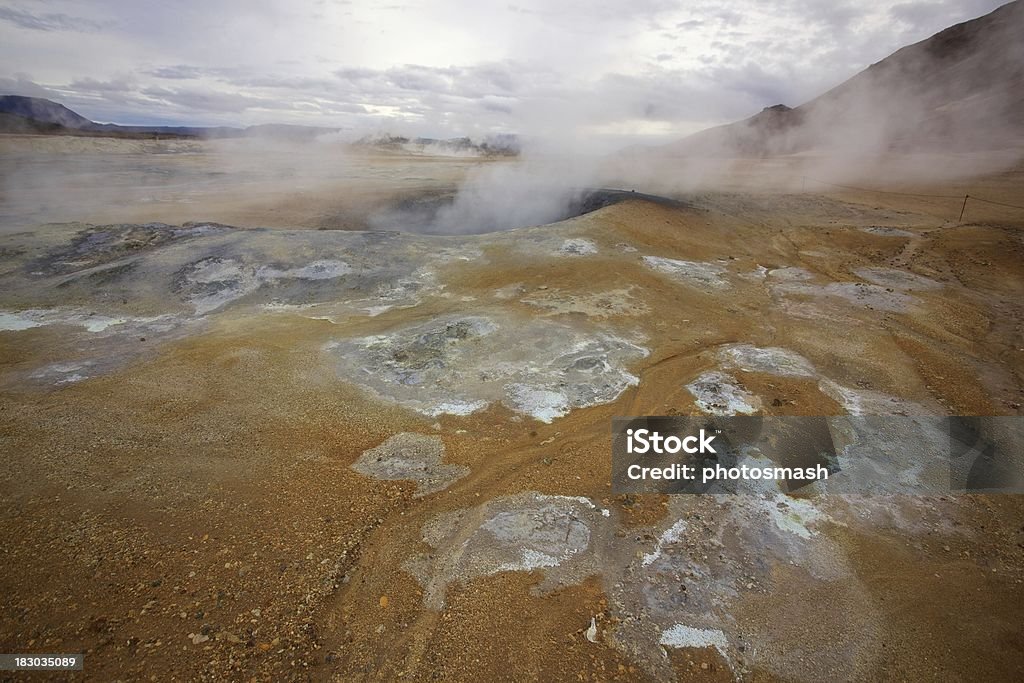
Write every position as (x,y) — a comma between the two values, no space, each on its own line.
(638,69)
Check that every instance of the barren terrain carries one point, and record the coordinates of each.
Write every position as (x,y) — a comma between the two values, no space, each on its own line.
(247,439)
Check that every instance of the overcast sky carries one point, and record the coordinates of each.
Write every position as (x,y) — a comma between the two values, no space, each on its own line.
(452,67)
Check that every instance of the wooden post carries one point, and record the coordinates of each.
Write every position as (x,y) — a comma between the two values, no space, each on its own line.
(962,209)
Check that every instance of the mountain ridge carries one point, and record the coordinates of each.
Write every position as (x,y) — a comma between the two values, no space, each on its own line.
(39,116)
(961,87)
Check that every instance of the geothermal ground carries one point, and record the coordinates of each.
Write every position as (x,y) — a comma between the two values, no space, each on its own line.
(245,437)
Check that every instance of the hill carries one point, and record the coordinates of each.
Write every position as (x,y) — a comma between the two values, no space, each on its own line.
(37,115)
(962,88)
(44,111)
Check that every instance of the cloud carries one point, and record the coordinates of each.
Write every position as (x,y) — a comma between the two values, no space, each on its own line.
(125,84)
(23,85)
(48,21)
(183,72)
(455,67)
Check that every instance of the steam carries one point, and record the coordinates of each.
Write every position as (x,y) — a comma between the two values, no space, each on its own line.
(942,111)
(939,112)
(533,191)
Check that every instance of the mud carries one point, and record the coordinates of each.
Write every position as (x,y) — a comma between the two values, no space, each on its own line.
(286,453)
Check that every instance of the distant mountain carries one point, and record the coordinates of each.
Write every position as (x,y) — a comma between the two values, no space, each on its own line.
(43,111)
(37,115)
(962,88)
(12,123)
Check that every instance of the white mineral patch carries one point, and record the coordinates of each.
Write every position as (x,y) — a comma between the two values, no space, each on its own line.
(92,322)
(886,232)
(717,393)
(205,303)
(792,515)
(523,532)
(681,635)
(530,560)
(404,292)
(759,273)
(577,247)
(462,408)
(789,274)
(582,500)
(62,373)
(772,360)
(98,323)
(320,270)
(216,270)
(897,279)
(752,457)
(673,534)
(542,404)
(315,270)
(220,281)
(896,457)
(858,293)
(693,272)
(458,365)
(866,402)
(374,311)
(15,322)
(278,306)
(545,534)
(409,456)
(197,230)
